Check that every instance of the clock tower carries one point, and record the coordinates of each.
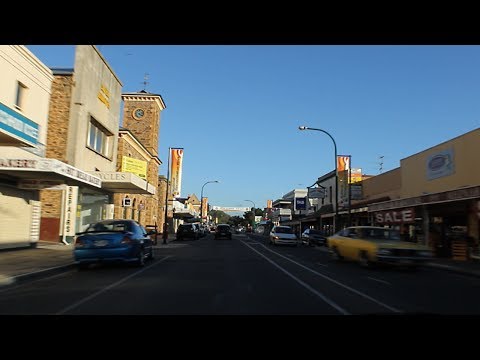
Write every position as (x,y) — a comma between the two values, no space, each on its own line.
(141,116)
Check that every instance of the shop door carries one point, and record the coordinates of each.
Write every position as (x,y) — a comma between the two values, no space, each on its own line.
(15,220)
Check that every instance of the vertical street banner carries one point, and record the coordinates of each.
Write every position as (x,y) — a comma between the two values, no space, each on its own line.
(343,169)
(176,156)
(204,207)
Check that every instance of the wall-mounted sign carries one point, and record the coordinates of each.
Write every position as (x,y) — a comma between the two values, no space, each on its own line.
(103,95)
(134,166)
(301,203)
(405,216)
(18,125)
(50,165)
(440,164)
(127,202)
(317,193)
(71,197)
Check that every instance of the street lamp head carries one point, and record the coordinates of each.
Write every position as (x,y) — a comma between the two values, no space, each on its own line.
(302,128)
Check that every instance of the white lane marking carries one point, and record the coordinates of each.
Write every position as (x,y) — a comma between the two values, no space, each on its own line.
(323,297)
(27,283)
(391,308)
(80,302)
(322,264)
(381,281)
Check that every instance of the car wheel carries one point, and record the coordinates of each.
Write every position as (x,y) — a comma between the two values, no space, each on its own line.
(141,258)
(335,255)
(363,260)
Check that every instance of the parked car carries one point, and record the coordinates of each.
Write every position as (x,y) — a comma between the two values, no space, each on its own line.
(283,235)
(313,237)
(223,230)
(113,241)
(188,231)
(369,245)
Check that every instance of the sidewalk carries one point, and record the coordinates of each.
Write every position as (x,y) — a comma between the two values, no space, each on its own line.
(19,265)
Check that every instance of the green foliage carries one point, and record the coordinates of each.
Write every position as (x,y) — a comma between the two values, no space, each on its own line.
(249,215)
(236,221)
(219,216)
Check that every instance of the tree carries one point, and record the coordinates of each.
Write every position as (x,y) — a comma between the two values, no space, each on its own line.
(219,216)
(236,221)
(249,215)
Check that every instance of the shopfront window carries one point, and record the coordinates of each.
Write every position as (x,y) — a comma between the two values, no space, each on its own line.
(92,207)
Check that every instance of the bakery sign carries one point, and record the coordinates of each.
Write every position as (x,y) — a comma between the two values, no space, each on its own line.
(403,216)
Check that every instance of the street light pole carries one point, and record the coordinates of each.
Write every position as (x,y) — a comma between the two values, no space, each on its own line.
(201,199)
(336,172)
(253,212)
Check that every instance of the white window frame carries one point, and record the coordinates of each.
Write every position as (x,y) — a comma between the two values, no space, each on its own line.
(20,96)
(100,133)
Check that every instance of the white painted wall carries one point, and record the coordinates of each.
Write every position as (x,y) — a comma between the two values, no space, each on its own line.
(17,63)
(91,72)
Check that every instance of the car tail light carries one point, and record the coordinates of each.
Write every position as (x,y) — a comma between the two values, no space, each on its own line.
(126,240)
(78,242)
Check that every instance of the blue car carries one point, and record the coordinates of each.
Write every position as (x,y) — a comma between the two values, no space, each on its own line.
(113,241)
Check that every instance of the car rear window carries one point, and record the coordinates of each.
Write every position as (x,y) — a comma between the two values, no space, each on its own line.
(283,230)
(223,227)
(110,226)
(185,227)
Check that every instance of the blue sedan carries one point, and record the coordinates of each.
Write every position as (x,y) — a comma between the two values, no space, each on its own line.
(113,241)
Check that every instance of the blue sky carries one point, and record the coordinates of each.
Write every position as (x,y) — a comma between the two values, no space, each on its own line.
(236,109)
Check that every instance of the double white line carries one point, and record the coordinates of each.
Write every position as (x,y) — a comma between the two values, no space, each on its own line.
(320,295)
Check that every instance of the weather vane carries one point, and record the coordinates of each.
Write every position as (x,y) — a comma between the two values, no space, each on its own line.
(145,82)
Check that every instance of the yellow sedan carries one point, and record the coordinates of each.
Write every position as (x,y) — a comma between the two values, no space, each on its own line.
(370,244)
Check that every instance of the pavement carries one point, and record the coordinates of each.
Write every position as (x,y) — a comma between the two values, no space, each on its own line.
(19,265)
(24,264)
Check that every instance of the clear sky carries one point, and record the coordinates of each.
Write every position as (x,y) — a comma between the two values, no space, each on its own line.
(236,109)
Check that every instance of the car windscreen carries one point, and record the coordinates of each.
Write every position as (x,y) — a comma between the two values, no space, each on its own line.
(283,230)
(316,232)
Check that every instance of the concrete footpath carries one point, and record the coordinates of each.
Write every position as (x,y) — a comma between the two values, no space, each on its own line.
(24,264)
(20,265)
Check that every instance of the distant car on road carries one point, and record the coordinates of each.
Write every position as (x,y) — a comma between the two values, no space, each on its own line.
(223,230)
(313,237)
(113,241)
(283,235)
(369,245)
(188,231)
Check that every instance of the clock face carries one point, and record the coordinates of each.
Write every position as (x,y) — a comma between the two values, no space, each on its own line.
(138,113)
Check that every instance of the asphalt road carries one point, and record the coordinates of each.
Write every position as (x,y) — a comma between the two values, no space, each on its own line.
(244,276)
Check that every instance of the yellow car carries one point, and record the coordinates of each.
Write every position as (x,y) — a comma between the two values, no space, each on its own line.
(370,244)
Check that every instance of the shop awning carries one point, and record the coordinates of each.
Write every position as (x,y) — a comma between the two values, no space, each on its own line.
(29,170)
(124,182)
(466,193)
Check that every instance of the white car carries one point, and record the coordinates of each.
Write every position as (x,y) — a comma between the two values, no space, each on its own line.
(283,235)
